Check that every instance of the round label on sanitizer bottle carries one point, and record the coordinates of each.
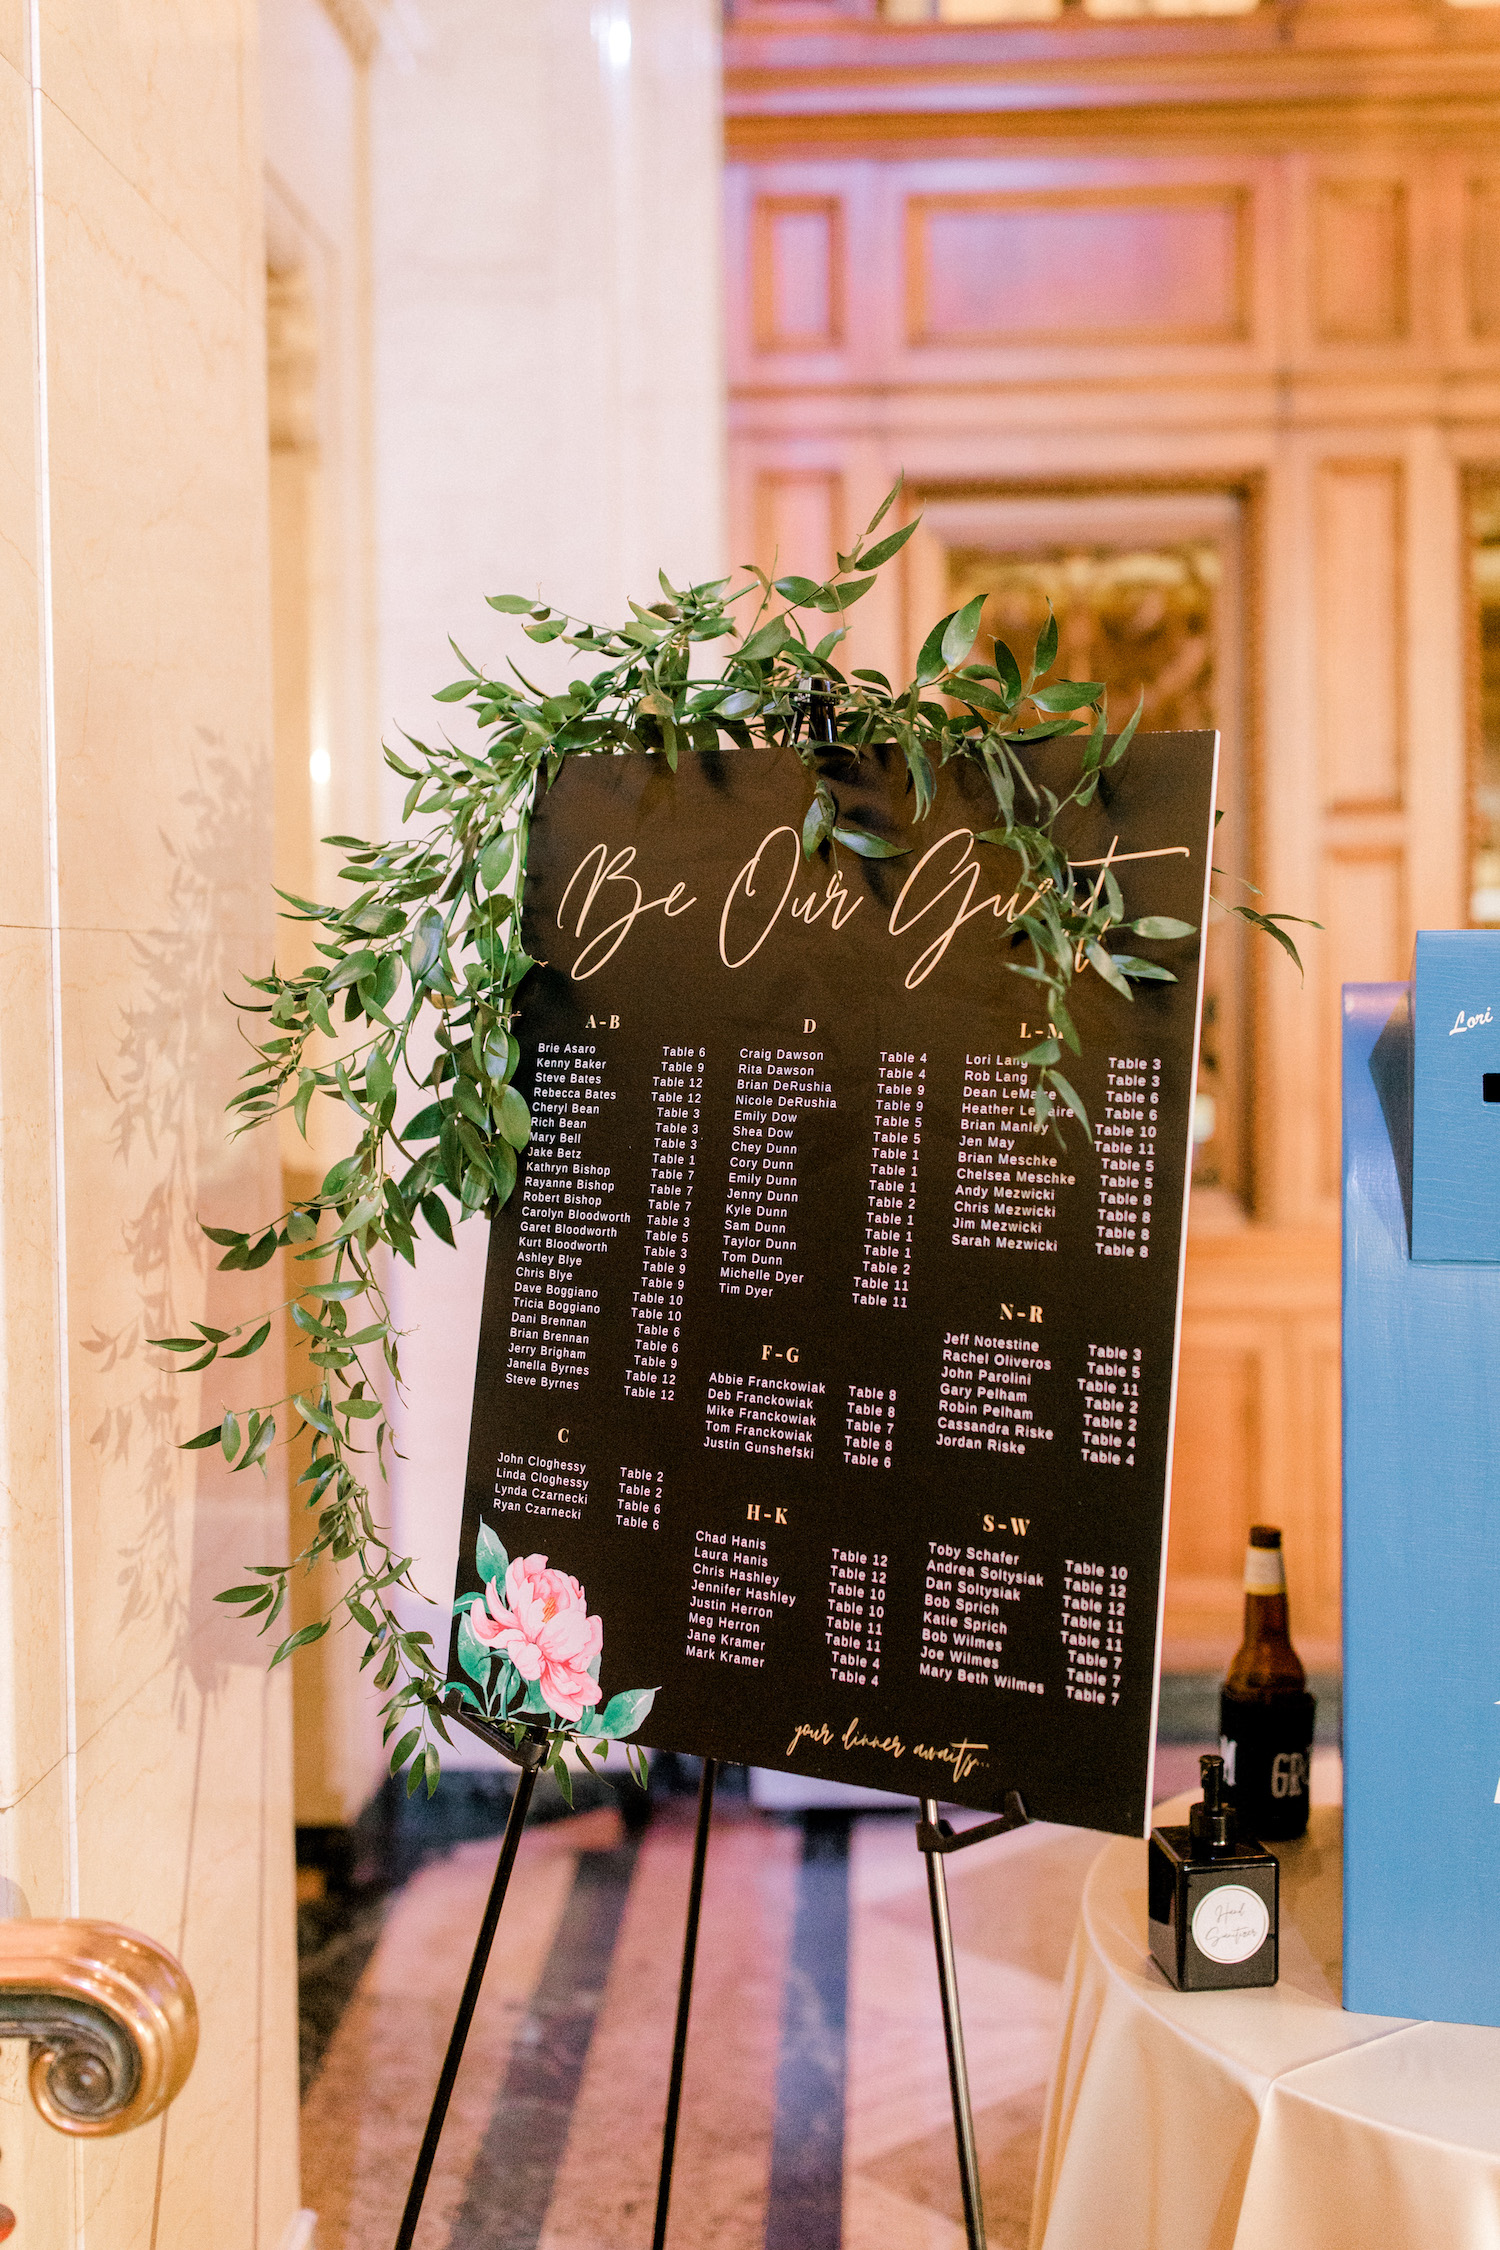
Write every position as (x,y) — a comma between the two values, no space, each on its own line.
(1231,1924)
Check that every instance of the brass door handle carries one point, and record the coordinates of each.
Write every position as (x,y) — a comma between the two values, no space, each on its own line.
(111,2018)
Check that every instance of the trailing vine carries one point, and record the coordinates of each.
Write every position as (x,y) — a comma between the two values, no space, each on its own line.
(433,922)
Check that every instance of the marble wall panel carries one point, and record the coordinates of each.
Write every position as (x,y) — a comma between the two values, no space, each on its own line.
(22,860)
(120,72)
(311,107)
(32,1717)
(36,2167)
(158,443)
(33,1732)
(144,1763)
(180,1779)
(163,822)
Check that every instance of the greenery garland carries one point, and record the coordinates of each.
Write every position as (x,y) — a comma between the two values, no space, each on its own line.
(436,919)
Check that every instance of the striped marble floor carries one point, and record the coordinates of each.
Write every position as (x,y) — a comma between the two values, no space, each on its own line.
(815,2108)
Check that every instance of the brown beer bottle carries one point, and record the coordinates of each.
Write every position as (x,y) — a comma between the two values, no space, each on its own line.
(1265,1712)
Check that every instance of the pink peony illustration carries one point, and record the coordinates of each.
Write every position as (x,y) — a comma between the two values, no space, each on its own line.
(541,1622)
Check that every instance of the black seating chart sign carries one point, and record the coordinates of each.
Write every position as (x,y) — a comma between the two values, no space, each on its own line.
(844,1391)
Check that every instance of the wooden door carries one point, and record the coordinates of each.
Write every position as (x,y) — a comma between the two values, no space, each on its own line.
(1170,285)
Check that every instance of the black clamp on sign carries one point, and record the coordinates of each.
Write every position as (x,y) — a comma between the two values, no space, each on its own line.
(941,1835)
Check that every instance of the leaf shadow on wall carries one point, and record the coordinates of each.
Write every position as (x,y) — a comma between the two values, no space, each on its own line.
(176,1056)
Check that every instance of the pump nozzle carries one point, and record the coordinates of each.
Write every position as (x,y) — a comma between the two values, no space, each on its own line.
(1212,1823)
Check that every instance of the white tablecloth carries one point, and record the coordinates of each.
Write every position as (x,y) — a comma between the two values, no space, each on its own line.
(1263,2120)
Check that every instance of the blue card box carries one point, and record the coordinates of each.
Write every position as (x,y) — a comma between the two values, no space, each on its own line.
(1421,1509)
(1455,1184)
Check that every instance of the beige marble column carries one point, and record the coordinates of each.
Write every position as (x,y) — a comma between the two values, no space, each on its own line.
(549,412)
(144,1753)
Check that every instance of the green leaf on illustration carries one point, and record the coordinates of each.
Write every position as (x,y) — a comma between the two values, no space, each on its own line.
(491,1559)
(472,1653)
(625,1712)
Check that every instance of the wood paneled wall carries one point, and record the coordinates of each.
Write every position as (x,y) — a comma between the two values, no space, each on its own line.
(1257,259)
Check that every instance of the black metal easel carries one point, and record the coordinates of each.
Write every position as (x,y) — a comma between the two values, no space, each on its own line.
(935,1838)
(709,1776)
(528,1758)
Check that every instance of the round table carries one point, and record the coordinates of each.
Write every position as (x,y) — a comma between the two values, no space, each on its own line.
(1266,2120)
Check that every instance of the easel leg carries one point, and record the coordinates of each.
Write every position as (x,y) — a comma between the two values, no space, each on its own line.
(684,2000)
(953,2033)
(519,1806)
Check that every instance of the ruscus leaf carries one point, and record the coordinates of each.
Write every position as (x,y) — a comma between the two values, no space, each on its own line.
(961,631)
(1162,926)
(870,846)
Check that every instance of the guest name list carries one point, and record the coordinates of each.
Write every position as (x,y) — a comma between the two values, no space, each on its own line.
(842,1384)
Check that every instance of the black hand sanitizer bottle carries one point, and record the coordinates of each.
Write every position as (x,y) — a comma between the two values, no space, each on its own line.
(1213,1897)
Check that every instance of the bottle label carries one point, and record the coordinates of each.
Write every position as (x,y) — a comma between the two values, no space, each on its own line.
(1265,1571)
(1230,1924)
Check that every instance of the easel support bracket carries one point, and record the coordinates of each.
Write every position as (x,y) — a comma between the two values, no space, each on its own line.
(942,1836)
